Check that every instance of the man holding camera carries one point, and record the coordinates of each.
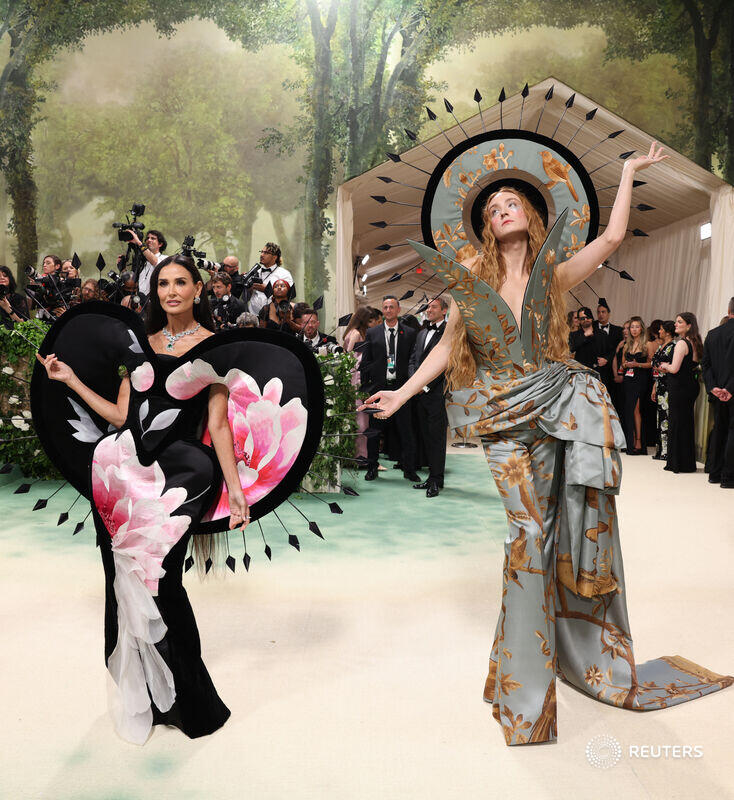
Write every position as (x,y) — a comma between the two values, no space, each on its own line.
(271,270)
(225,307)
(153,252)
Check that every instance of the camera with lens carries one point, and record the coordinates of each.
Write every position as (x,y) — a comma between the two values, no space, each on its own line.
(47,290)
(4,290)
(209,266)
(187,248)
(124,233)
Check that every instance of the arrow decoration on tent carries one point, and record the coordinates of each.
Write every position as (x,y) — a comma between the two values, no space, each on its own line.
(478,101)
(434,118)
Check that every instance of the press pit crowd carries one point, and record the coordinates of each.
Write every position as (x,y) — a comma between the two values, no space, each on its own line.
(653,372)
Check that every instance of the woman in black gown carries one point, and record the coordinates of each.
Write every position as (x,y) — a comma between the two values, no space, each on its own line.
(663,355)
(683,388)
(153,478)
(636,363)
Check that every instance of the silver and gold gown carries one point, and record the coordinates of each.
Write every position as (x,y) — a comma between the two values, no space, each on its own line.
(552,440)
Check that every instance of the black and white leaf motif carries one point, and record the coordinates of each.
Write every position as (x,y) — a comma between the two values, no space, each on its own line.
(143,411)
(163,420)
(135,346)
(86,430)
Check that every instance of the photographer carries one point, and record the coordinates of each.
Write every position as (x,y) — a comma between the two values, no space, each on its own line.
(153,251)
(307,322)
(13,306)
(44,289)
(226,307)
(271,270)
(278,313)
(130,294)
(90,290)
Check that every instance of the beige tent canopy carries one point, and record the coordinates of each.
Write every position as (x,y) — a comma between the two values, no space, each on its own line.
(674,268)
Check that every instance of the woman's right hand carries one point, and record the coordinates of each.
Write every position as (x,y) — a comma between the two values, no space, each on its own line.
(386,403)
(55,369)
(5,305)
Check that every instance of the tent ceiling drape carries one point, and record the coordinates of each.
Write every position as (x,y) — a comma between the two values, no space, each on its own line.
(678,190)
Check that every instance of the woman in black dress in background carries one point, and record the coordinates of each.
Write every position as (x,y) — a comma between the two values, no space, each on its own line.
(636,365)
(663,355)
(683,388)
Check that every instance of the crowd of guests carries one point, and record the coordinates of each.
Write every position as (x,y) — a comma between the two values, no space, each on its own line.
(653,376)
(652,371)
(389,349)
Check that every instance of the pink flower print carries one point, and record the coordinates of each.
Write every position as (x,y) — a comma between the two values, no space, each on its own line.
(142,377)
(134,508)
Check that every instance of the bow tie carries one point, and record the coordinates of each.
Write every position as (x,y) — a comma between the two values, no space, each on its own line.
(433,327)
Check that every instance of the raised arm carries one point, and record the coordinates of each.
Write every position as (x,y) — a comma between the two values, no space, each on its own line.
(572,272)
(115,413)
(436,362)
(221,433)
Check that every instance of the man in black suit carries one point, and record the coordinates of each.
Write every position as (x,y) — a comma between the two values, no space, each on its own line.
(307,320)
(611,337)
(587,343)
(385,364)
(430,404)
(718,375)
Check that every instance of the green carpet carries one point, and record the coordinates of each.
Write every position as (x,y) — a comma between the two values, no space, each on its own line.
(389,518)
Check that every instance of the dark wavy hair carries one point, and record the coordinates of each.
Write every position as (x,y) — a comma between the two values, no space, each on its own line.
(693,335)
(669,327)
(155,318)
(12,286)
(161,238)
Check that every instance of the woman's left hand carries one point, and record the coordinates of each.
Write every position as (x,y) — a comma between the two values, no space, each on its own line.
(5,305)
(643,162)
(239,511)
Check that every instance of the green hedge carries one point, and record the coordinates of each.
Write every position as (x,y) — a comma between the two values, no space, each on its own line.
(19,445)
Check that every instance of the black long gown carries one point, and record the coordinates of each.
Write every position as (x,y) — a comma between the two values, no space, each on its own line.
(683,388)
(156,481)
(636,389)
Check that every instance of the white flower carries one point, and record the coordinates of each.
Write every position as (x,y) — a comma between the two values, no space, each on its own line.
(328,380)
(8,370)
(36,452)
(20,423)
(26,414)
(13,400)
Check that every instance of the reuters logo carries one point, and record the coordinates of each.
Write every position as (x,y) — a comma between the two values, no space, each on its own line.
(603,751)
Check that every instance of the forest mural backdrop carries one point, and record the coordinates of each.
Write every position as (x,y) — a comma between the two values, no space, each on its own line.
(235,121)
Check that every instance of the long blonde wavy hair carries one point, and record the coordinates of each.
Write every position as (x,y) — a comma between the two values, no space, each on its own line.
(491,268)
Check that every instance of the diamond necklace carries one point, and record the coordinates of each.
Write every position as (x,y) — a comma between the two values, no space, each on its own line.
(173,338)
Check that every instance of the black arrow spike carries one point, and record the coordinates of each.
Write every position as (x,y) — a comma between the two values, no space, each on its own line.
(394,277)
(76,262)
(314,528)
(414,138)
(382,199)
(589,116)
(644,207)
(612,135)
(207,565)
(407,295)
(318,303)
(78,527)
(396,159)
(478,101)
(268,551)
(381,224)
(450,109)
(524,93)
(548,96)
(41,503)
(188,563)
(638,232)
(621,156)
(63,516)
(385,247)
(635,184)
(100,262)
(335,508)
(293,542)
(385,179)
(625,275)
(569,104)
(501,99)
(433,118)
(349,491)
(24,488)
(246,559)
(230,562)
